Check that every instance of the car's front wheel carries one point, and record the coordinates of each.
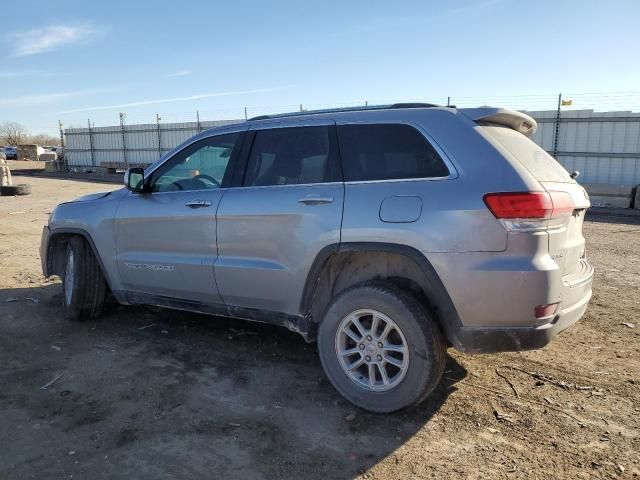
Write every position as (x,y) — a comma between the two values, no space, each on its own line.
(381,348)
(83,285)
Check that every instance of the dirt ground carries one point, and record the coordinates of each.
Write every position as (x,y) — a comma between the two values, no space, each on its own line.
(146,393)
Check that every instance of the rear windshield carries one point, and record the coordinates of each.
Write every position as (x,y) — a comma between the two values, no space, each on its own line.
(541,165)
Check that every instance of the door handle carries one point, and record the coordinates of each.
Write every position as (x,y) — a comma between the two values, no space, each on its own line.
(313,200)
(197,204)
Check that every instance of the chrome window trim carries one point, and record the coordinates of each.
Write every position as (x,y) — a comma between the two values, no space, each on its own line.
(251,187)
(307,122)
(398,180)
(181,191)
(254,187)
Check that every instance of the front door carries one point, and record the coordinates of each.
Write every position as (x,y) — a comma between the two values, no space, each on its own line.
(166,238)
(287,210)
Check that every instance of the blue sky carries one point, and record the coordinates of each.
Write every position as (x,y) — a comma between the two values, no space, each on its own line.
(74,60)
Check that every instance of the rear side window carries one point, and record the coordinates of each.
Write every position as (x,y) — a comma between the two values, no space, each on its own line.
(387,152)
(291,156)
(542,166)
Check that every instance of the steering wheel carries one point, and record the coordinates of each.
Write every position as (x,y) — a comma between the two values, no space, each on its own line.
(209,178)
(178,185)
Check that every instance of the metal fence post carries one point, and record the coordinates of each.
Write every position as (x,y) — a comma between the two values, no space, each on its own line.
(198,119)
(124,144)
(64,156)
(91,150)
(159,142)
(557,127)
(246,117)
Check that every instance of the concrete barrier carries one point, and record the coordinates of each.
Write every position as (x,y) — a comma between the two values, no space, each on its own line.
(53,166)
(48,157)
(602,195)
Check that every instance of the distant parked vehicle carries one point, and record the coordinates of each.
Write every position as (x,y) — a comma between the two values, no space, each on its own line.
(11,153)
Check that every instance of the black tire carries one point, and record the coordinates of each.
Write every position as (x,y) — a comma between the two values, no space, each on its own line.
(85,298)
(425,343)
(20,189)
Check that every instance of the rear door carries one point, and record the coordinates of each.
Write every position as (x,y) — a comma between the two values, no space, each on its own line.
(286,210)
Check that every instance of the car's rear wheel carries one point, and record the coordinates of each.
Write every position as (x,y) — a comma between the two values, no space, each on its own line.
(83,285)
(380,348)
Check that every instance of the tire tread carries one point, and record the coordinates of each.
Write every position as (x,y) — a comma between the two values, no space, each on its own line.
(91,285)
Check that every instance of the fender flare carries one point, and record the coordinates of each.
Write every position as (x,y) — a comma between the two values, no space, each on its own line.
(84,234)
(438,294)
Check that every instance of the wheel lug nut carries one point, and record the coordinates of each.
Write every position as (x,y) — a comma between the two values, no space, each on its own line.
(367,358)
(369,337)
(361,346)
(380,345)
(379,357)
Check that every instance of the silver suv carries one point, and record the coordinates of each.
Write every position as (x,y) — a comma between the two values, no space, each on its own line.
(386,234)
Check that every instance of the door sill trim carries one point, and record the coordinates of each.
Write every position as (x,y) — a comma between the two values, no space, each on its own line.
(295,323)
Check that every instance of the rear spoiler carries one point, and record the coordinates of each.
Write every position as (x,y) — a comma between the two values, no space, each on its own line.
(520,122)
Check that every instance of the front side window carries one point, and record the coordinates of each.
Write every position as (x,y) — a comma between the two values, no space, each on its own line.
(200,166)
(387,152)
(290,156)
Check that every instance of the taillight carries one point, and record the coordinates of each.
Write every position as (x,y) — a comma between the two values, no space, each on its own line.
(519,205)
(528,211)
(562,203)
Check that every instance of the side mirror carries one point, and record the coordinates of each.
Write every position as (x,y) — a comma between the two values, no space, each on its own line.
(134,179)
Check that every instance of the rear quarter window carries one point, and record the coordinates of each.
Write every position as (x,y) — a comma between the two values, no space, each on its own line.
(387,152)
(540,164)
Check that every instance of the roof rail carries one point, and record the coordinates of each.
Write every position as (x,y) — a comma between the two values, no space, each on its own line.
(413,105)
(346,109)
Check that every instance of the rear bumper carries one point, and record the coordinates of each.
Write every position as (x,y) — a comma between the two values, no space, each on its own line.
(508,339)
(495,295)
